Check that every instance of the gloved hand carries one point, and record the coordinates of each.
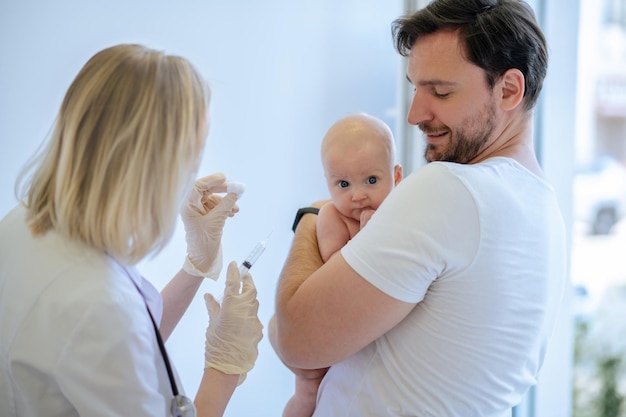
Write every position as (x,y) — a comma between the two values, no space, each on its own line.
(234,330)
(204,216)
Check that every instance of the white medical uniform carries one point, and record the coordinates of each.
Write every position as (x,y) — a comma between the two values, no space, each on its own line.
(75,335)
(481,249)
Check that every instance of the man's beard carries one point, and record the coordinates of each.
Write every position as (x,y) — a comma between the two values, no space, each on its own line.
(464,143)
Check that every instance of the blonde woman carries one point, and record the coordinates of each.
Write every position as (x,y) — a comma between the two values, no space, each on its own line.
(81,332)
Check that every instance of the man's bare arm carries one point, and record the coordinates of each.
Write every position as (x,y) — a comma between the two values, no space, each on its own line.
(326,312)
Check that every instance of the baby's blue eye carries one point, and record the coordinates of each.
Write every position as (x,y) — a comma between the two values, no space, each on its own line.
(372,180)
(343,184)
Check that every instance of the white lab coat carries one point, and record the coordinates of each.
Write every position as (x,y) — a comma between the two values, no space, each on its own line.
(75,336)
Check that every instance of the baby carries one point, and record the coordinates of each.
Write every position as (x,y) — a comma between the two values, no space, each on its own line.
(358,157)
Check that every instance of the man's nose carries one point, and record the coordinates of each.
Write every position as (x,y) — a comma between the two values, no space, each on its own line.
(420,110)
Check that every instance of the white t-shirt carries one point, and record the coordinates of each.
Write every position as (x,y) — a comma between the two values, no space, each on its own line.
(481,249)
(75,336)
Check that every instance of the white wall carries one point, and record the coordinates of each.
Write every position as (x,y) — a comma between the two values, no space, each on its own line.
(281,73)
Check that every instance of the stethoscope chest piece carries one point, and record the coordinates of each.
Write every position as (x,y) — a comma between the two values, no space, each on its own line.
(182,406)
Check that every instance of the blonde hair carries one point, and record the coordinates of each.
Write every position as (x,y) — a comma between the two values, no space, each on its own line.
(125,147)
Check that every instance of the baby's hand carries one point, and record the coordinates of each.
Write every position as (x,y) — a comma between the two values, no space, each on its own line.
(366,215)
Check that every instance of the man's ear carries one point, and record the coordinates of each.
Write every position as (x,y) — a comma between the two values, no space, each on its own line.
(512,87)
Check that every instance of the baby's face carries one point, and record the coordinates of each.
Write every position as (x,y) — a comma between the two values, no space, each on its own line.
(359,179)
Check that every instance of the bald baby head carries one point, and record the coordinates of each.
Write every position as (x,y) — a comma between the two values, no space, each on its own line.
(355,133)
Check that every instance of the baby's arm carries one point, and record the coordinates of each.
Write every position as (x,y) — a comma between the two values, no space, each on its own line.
(332,231)
(302,403)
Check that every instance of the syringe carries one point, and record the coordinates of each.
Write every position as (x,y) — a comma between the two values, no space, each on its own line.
(252,257)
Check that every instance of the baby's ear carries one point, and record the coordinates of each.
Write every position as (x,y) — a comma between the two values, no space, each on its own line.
(397,174)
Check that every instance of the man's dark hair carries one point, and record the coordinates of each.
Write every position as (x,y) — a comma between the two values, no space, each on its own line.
(496,35)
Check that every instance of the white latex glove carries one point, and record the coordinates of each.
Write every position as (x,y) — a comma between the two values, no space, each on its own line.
(235,330)
(204,216)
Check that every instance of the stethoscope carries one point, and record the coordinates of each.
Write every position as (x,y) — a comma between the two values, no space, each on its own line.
(181,405)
